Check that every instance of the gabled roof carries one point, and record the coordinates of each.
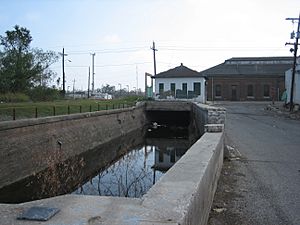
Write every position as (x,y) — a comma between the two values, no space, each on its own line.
(251,66)
(179,72)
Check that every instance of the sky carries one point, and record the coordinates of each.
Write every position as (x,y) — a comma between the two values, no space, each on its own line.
(198,33)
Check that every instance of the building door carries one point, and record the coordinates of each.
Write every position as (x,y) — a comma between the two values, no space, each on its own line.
(233,92)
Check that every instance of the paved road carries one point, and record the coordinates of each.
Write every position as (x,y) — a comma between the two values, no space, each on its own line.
(260,183)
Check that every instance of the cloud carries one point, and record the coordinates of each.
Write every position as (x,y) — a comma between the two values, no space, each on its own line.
(112,38)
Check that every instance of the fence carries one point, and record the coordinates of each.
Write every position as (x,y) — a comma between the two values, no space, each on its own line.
(15,113)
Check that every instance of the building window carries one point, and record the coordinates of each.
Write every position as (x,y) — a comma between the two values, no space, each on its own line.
(173,88)
(197,88)
(184,87)
(161,88)
(266,90)
(250,90)
(218,90)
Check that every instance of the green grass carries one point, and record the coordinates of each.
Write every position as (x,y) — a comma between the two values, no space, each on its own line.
(61,107)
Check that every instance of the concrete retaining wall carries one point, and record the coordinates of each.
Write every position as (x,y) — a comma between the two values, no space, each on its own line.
(29,146)
(184,195)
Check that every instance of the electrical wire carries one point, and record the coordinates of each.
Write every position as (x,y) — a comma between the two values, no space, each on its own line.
(111,65)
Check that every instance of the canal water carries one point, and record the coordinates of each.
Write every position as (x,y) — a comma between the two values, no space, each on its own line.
(127,166)
(133,174)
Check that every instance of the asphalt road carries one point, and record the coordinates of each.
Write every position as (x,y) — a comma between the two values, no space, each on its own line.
(260,180)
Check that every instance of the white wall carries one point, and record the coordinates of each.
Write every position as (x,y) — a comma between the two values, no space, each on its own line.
(288,80)
(178,85)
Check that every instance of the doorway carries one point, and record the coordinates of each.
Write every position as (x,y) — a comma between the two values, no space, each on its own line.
(233,92)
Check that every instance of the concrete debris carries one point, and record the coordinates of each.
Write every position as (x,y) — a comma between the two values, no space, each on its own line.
(219,210)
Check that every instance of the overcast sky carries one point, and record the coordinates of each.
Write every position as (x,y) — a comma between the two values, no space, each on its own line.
(198,33)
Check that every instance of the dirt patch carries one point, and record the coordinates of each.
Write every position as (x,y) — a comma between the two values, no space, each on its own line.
(226,208)
(223,208)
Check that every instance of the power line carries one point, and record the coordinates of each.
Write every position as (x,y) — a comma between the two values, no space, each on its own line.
(112,65)
(106,51)
(176,48)
(219,48)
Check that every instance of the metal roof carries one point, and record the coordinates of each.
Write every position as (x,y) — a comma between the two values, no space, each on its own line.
(255,66)
(271,58)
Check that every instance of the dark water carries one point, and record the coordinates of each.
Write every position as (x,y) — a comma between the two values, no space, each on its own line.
(135,172)
(126,166)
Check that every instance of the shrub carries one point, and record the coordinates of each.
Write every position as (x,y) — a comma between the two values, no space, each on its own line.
(14,97)
(41,93)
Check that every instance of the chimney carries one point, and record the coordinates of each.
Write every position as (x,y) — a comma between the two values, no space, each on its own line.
(181,64)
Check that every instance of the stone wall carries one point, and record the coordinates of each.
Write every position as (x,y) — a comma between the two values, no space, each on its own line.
(205,114)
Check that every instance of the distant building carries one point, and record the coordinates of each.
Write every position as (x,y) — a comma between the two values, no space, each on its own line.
(288,82)
(180,83)
(98,95)
(250,78)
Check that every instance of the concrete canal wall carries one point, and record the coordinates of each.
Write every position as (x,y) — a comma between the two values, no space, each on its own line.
(183,196)
(29,146)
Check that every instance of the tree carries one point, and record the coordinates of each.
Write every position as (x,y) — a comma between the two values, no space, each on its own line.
(22,67)
(108,89)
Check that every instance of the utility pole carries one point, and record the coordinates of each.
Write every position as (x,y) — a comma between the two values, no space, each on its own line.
(154,59)
(154,50)
(295,59)
(74,89)
(63,70)
(137,79)
(89,83)
(93,72)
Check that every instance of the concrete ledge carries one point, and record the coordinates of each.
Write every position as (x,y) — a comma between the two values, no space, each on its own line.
(6,125)
(183,196)
(168,106)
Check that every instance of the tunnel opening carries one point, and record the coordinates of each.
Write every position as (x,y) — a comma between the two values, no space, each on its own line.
(170,118)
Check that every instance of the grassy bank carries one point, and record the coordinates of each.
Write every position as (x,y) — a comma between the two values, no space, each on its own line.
(11,111)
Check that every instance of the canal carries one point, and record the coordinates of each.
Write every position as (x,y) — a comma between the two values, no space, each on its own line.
(143,164)
(126,166)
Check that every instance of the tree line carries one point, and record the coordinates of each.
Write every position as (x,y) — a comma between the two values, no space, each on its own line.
(23,69)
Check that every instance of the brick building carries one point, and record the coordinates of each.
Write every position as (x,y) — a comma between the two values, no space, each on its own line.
(245,79)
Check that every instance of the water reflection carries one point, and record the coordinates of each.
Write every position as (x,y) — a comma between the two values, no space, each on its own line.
(125,166)
(131,176)
(134,173)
